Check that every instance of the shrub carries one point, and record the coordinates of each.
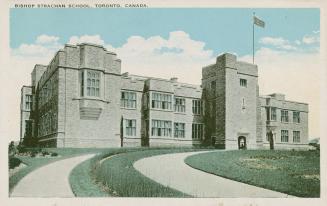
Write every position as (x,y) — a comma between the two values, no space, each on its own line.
(12,148)
(14,162)
(33,153)
(44,153)
(21,149)
(54,154)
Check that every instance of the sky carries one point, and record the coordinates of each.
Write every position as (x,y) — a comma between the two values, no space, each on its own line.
(173,42)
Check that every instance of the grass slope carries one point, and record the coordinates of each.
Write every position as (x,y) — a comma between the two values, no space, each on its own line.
(119,177)
(82,183)
(293,172)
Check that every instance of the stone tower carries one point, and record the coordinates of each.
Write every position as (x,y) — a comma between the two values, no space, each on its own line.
(230,90)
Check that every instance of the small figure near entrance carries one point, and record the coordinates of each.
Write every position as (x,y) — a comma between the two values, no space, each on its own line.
(241,142)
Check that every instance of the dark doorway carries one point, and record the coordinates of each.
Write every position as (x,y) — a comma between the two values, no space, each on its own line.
(241,142)
(213,140)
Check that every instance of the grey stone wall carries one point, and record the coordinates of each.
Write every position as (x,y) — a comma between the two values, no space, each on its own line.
(103,131)
(240,102)
(278,101)
(215,99)
(133,84)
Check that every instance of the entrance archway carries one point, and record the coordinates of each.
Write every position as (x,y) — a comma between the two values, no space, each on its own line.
(241,142)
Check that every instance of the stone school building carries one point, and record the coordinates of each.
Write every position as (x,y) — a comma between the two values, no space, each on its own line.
(81,99)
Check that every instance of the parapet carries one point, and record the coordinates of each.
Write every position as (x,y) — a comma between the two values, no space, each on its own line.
(278,96)
(227,60)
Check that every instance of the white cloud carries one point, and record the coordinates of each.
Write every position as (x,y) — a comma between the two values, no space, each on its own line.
(95,39)
(45,39)
(43,47)
(21,63)
(33,50)
(156,56)
(18,74)
(278,42)
(176,56)
(310,39)
(293,74)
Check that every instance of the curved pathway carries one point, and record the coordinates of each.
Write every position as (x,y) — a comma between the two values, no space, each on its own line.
(170,170)
(51,180)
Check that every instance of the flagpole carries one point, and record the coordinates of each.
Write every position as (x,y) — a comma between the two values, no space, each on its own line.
(253,37)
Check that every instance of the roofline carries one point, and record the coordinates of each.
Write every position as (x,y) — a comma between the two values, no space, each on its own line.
(265,97)
(40,65)
(162,79)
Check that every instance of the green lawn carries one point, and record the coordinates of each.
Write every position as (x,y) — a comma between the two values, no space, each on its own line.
(82,182)
(118,177)
(293,172)
(36,162)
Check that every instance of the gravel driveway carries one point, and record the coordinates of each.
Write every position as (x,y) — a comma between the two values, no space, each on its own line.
(170,170)
(51,180)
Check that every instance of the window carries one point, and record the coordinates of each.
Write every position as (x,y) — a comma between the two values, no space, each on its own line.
(243,83)
(213,85)
(197,131)
(179,129)
(130,127)
(284,136)
(161,101)
(179,104)
(28,102)
(128,99)
(197,106)
(296,136)
(268,113)
(284,115)
(92,85)
(28,128)
(273,114)
(161,128)
(296,117)
(82,84)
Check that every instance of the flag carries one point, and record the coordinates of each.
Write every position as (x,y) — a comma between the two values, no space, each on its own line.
(258,22)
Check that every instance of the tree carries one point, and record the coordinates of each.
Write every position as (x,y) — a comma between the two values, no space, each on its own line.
(12,149)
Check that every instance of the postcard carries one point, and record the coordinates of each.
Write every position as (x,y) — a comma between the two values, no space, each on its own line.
(147,102)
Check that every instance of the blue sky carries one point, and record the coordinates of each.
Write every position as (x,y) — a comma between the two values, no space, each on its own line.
(220,29)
